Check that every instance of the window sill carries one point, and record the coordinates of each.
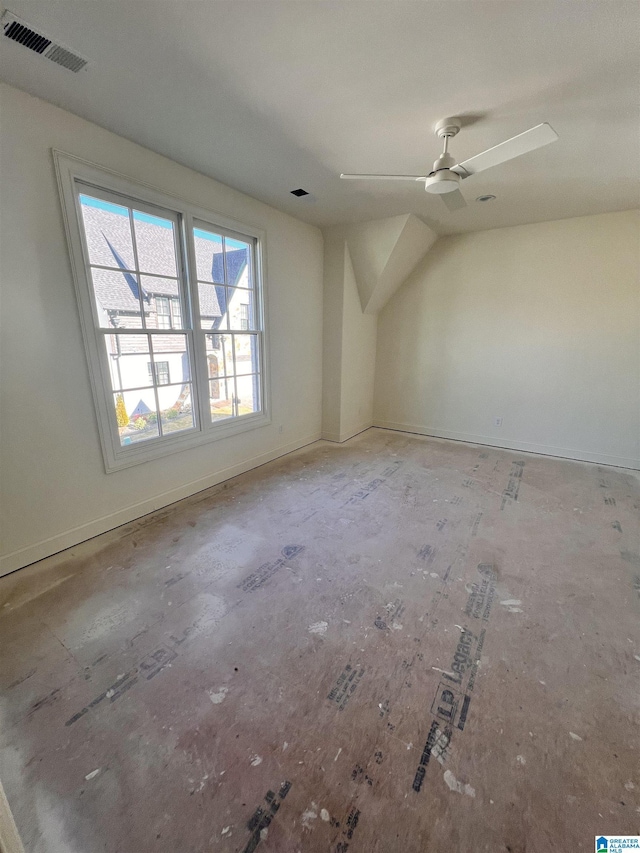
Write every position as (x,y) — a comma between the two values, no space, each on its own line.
(127,457)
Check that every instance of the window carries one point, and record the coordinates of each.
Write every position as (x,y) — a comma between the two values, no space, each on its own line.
(163,314)
(226,291)
(161,372)
(168,312)
(244,316)
(176,313)
(172,309)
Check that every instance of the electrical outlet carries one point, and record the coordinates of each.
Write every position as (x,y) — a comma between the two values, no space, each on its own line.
(497,422)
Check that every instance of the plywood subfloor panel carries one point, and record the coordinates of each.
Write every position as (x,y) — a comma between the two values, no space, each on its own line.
(395,644)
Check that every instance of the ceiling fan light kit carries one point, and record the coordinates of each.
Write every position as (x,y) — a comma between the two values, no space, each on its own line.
(443,180)
(445,177)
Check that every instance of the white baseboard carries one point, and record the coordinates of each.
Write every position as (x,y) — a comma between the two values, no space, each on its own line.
(47,547)
(525,446)
(339,437)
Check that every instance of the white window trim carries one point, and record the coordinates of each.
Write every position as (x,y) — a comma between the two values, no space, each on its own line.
(70,169)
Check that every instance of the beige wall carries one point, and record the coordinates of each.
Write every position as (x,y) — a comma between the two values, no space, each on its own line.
(54,489)
(537,324)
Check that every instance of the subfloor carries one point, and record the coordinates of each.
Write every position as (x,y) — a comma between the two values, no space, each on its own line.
(395,644)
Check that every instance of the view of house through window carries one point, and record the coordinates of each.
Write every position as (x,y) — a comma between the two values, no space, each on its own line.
(143,311)
(227,299)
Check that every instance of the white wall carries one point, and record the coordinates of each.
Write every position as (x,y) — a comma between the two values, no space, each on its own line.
(359,332)
(364,264)
(537,324)
(383,253)
(335,251)
(54,489)
(349,346)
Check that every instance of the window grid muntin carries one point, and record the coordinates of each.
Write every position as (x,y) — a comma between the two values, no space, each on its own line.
(138,270)
(134,272)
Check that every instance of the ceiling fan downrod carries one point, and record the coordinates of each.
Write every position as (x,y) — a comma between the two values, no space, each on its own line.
(442,179)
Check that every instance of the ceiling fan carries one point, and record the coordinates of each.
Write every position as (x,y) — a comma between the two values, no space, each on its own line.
(446,175)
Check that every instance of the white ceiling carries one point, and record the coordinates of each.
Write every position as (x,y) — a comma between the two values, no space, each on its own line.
(268,96)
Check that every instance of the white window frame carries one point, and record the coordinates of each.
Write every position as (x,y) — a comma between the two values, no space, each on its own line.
(69,170)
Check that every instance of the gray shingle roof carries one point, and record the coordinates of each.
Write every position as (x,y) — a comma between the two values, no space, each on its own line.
(236,260)
(101,224)
(209,300)
(109,243)
(206,253)
(113,292)
(155,247)
(161,286)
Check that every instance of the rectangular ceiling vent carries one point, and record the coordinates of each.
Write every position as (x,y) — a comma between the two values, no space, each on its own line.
(17,30)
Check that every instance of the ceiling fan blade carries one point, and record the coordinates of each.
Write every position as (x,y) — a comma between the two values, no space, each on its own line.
(454,200)
(535,137)
(383,177)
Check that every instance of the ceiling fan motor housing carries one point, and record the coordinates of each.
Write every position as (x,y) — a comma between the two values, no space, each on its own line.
(442,179)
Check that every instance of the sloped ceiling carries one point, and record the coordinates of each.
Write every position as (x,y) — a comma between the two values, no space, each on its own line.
(270,96)
(383,253)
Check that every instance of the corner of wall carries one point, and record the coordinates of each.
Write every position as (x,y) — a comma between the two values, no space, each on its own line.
(335,249)
(364,266)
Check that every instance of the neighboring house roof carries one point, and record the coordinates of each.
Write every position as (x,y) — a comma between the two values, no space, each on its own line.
(206,252)
(109,243)
(130,279)
(236,261)
(155,245)
(113,291)
(100,219)
(160,286)
(211,303)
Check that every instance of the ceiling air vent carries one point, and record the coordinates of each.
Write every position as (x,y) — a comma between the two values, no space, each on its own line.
(19,31)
